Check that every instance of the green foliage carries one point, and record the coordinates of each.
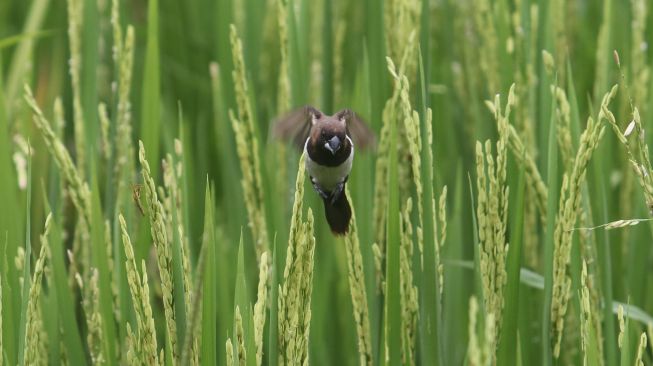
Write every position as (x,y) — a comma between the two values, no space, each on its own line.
(205,244)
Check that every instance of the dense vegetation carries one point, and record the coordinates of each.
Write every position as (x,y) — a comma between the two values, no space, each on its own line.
(147,216)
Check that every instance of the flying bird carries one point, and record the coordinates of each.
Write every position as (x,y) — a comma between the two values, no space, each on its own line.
(328,143)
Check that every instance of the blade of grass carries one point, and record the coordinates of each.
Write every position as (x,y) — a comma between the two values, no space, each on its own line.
(177,272)
(16,39)
(455,298)
(9,223)
(209,299)
(90,58)
(20,61)
(536,281)
(508,342)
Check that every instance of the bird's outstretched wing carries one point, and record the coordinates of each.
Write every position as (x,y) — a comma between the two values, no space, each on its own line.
(359,131)
(295,126)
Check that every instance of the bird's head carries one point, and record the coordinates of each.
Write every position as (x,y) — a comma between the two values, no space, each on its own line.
(329,133)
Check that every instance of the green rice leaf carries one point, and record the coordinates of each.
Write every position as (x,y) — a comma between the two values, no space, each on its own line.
(508,342)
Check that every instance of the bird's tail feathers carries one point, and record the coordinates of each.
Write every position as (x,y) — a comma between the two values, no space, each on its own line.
(338,214)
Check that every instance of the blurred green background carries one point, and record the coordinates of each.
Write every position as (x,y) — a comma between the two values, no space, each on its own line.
(335,52)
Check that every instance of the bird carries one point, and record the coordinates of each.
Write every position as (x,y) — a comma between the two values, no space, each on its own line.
(328,144)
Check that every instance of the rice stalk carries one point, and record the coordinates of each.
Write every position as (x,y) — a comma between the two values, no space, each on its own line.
(407,290)
(492,213)
(143,347)
(158,229)
(380,189)
(75,21)
(489,339)
(240,338)
(19,263)
(396,108)
(585,311)
(379,213)
(105,146)
(248,149)
(172,174)
(79,192)
(526,84)
(569,209)
(604,41)
(190,355)
(230,352)
(466,74)
(131,356)
(409,142)
(294,314)
(401,19)
(639,159)
(22,65)
(558,15)
(116,29)
(20,158)
(622,325)
(439,244)
(110,260)
(549,63)
(439,219)
(488,56)
(615,224)
(533,177)
(94,320)
(284,88)
(563,114)
(358,292)
(473,349)
(175,174)
(315,51)
(411,126)
(641,349)
(78,189)
(260,307)
(480,351)
(124,149)
(338,62)
(34,323)
(284,94)
(640,71)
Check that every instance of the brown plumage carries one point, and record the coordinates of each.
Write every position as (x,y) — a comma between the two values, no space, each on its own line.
(328,142)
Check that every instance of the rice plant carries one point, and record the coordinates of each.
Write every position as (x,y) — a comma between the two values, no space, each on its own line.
(149,216)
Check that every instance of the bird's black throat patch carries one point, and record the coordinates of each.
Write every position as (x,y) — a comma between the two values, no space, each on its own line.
(319,154)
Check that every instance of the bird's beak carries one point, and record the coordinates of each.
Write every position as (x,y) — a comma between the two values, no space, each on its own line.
(333,145)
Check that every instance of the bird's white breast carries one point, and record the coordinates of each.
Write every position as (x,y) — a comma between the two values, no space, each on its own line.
(328,177)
